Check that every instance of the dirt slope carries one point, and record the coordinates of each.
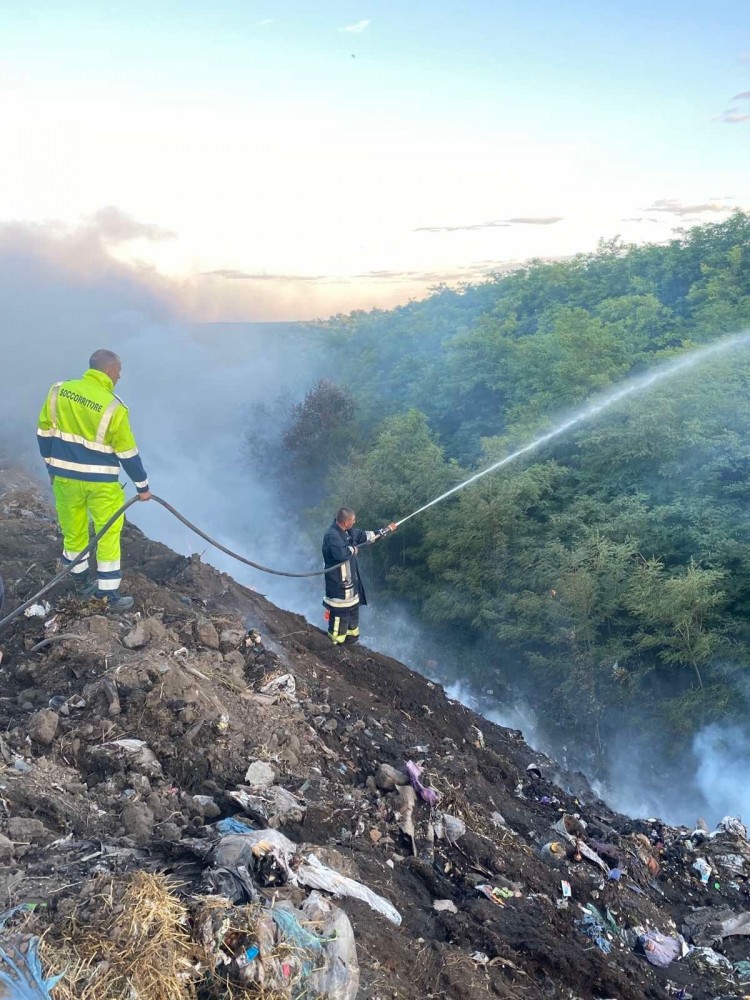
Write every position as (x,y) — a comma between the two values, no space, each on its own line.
(185,675)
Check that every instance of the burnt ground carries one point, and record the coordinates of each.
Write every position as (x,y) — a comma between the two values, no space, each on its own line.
(184,673)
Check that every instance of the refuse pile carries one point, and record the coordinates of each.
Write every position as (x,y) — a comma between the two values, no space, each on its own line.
(204,799)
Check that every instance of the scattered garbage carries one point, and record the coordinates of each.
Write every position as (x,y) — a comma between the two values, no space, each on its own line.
(284,951)
(572,829)
(144,779)
(298,863)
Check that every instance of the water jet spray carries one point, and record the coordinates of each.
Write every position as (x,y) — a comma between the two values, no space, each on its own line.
(593,408)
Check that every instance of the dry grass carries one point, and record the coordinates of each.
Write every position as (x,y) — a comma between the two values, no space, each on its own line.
(132,937)
(135,941)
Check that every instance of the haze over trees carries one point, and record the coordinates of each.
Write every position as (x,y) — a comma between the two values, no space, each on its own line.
(607,573)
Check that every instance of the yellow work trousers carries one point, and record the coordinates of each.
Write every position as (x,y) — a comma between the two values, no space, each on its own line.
(76,503)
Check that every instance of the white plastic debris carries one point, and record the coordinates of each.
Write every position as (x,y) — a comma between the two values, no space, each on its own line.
(140,756)
(703,868)
(274,806)
(234,850)
(284,684)
(260,775)
(317,876)
(37,610)
(454,828)
(229,851)
(480,958)
(732,824)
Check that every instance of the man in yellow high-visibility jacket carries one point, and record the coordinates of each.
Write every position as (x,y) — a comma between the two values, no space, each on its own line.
(84,436)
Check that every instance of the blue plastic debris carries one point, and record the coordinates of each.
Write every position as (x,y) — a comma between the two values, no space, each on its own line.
(232,825)
(21,975)
(615,874)
(305,942)
(593,925)
(252,953)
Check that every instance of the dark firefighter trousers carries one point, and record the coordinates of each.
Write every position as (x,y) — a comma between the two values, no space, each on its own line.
(343,623)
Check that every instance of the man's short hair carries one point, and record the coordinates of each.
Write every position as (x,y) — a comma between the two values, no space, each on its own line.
(344,513)
(102,360)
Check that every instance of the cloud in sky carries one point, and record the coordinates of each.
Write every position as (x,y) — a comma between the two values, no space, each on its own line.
(358,28)
(731,116)
(734,115)
(469,272)
(495,224)
(113,225)
(264,22)
(248,276)
(671,206)
(462,229)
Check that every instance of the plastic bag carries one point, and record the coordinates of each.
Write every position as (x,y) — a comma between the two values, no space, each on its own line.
(316,875)
(21,975)
(338,978)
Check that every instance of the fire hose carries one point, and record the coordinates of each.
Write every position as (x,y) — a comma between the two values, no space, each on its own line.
(69,567)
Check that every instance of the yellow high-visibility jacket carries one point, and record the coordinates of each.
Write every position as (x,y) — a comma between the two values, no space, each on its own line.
(84,432)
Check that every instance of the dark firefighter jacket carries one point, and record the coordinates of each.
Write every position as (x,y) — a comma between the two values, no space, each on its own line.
(344,586)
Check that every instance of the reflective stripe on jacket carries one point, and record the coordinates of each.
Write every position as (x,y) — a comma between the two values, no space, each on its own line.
(84,432)
(344,586)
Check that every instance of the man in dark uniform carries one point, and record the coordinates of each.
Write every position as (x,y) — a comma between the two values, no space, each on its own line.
(344,590)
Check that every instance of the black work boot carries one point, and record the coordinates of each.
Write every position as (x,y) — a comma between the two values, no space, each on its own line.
(115,600)
(84,585)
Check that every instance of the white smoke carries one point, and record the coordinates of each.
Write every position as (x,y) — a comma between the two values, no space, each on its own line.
(722,753)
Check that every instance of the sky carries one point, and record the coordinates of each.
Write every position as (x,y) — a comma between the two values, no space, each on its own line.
(286,160)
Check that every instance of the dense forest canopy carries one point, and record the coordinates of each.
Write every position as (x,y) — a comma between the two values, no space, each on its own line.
(608,571)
